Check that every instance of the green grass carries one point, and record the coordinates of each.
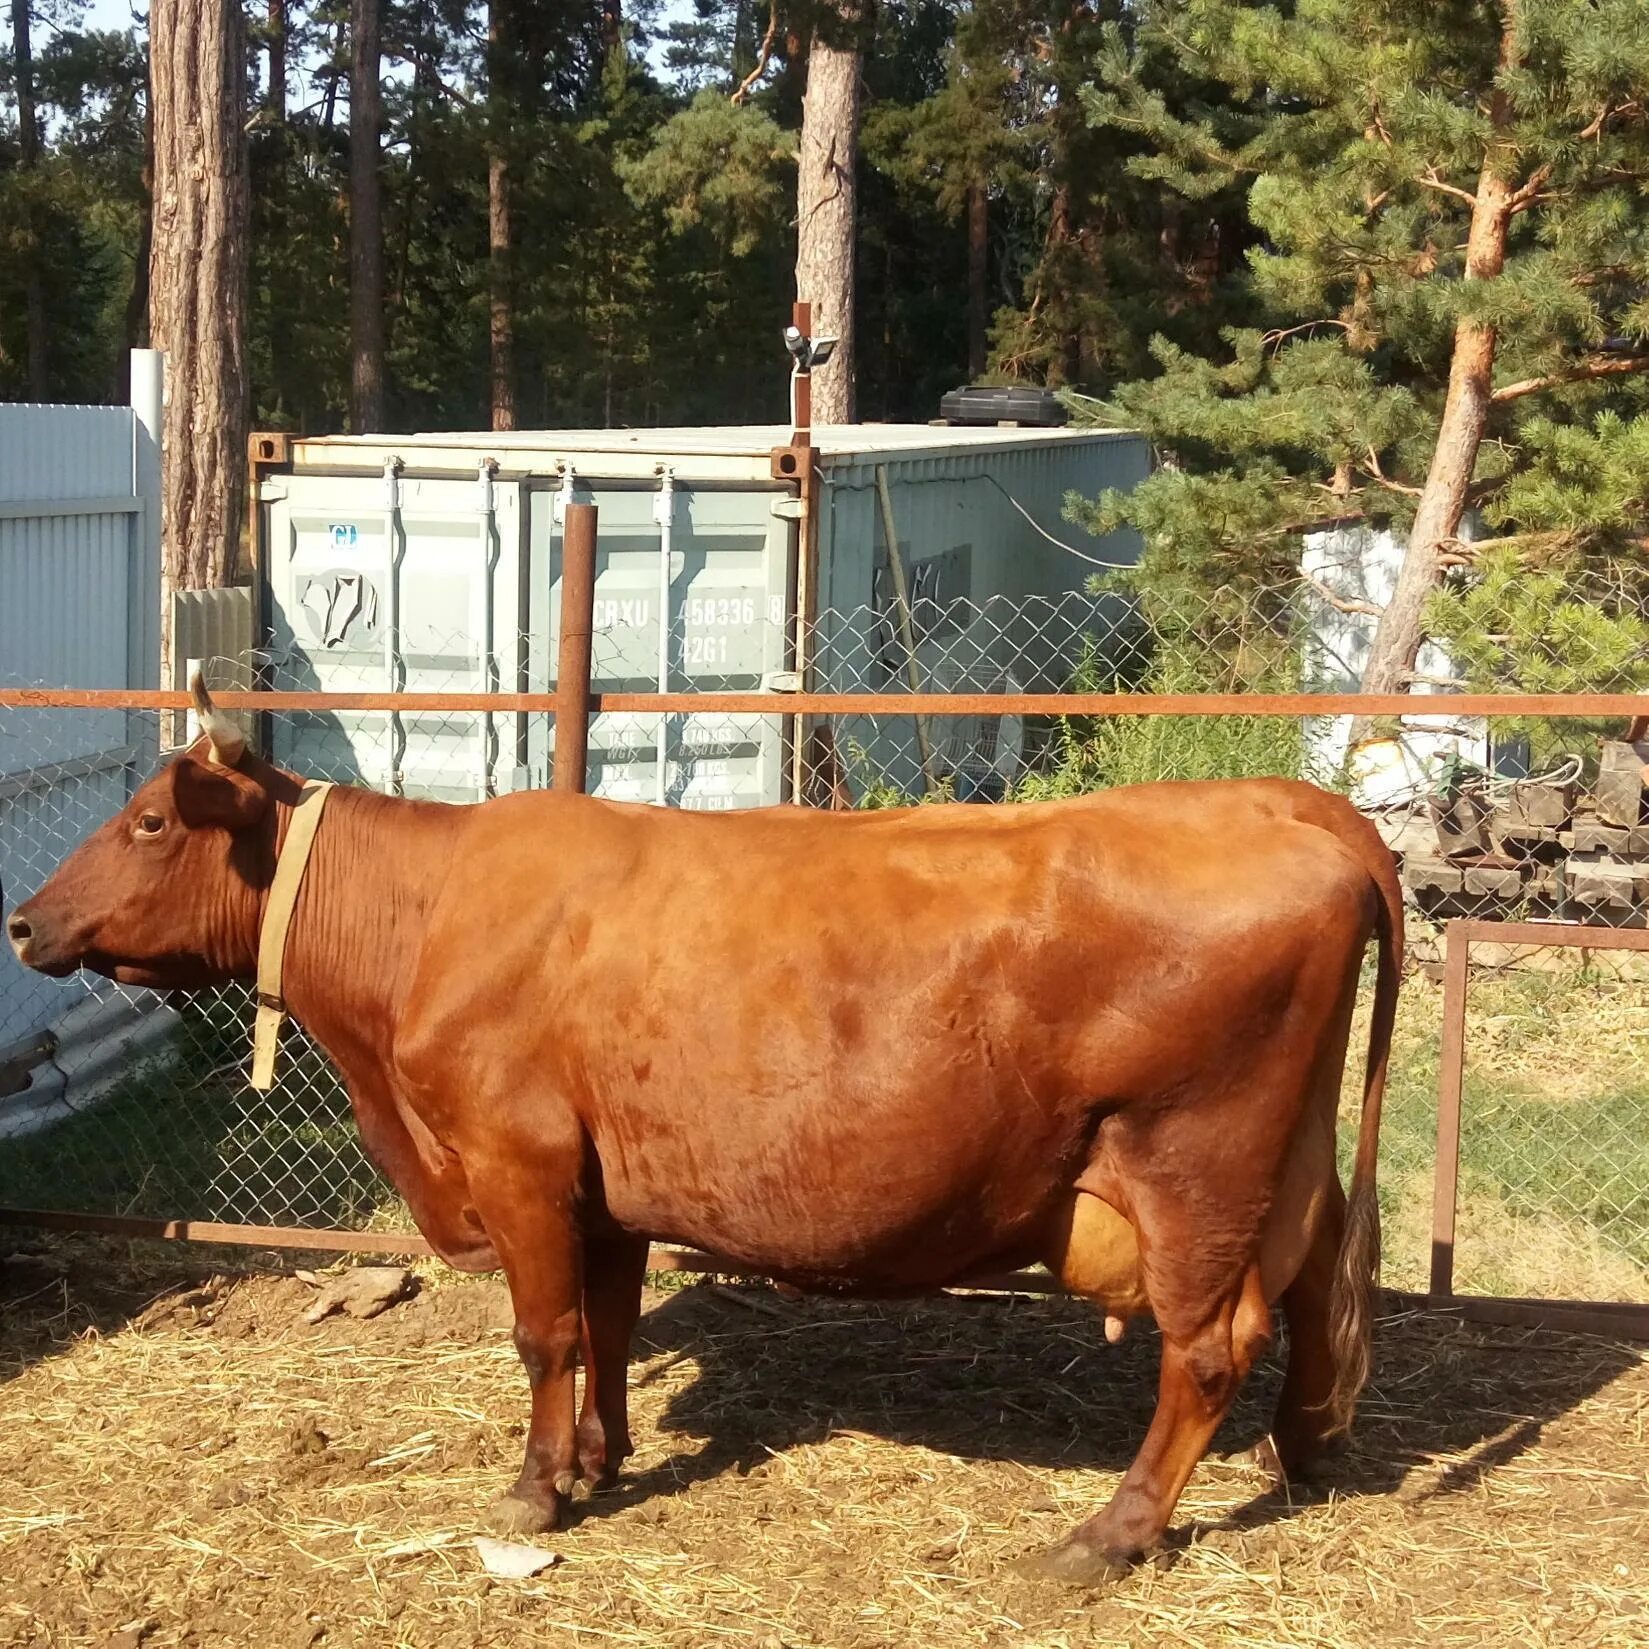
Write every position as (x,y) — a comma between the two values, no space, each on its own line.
(182,1135)
(1554,1159)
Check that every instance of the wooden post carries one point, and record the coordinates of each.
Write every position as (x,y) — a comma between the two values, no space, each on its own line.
(572,673)
(907,631)
(801,381)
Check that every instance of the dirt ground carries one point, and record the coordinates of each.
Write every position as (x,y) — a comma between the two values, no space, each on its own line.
(184,1461)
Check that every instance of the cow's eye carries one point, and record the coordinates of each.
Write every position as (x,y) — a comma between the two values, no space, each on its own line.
(150,824)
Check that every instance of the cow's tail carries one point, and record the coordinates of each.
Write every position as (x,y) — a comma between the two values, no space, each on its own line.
(1351,1300)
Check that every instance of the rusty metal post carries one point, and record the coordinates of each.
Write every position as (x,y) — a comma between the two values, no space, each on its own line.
(572,671)
(1451,1076)
(801,381)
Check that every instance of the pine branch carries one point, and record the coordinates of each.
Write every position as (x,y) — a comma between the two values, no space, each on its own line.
(747,85)
(1373,467)
(1274,339)
(1341,603)
(1604,366)
(1595,128)
(1530,192)
(1431,180)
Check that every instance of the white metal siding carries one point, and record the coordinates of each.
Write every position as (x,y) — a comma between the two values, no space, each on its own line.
(79,607)
(1362,564)
(55,453)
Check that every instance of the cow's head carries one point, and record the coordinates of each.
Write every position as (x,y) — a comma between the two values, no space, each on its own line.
(169,892)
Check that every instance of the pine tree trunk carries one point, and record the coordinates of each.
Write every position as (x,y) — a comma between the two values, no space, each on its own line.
(1400,632)
(1065,361)
(366,227)
(979,229)
(331,74)
(500,297)
(28,163)
(275,22)
(198,286)
(134,330)
(827,204)
(500,301)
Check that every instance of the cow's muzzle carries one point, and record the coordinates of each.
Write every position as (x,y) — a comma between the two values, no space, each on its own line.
(33,943)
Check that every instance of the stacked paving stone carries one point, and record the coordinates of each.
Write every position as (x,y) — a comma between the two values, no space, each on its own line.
(1538,849)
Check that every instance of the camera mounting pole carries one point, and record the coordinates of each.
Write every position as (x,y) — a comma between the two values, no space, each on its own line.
(806,352)
(801,374)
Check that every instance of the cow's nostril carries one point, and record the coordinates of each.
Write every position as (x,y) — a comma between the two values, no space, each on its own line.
(18,930)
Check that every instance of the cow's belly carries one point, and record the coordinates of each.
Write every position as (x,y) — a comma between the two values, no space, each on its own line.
(920,1207)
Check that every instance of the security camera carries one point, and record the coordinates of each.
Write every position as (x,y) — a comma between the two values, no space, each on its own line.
(805,351)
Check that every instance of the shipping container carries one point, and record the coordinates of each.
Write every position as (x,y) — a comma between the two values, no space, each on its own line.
(433,562)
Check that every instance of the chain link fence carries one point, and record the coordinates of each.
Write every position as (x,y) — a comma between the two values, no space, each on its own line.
(1552,1192)
(124,1102)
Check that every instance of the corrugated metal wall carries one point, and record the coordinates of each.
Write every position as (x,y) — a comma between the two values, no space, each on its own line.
(79,597)
(1017,608)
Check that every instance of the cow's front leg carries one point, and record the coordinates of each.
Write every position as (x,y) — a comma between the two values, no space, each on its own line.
(614,1269)
(537,1239)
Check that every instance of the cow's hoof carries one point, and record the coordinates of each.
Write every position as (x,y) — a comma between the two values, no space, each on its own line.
(518,1513)
(1294,1472)
(1075,1563)
(1264,1455)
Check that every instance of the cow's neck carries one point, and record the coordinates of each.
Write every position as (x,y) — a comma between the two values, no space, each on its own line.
(358,927)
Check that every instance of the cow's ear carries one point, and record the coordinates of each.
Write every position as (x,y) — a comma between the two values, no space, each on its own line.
(210,795)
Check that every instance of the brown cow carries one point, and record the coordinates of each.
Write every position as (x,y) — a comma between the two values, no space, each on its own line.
(890,1050)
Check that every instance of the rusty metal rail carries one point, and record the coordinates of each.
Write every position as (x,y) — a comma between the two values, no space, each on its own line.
(1627,1322)
(1583,706)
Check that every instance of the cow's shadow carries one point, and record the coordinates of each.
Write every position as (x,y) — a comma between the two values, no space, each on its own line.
(1033,1381)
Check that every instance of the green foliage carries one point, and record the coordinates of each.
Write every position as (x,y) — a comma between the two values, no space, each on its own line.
(1099,753)
(1567,628)
(75,217)
(1545,631)
(724,166)
(1585,484)
(1357,131)
(873,790)
(653,221)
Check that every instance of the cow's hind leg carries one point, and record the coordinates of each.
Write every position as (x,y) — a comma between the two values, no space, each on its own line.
(1304,1425)
(614,1268)
(1203,1362)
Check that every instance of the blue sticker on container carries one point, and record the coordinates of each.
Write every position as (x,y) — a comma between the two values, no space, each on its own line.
(345,535)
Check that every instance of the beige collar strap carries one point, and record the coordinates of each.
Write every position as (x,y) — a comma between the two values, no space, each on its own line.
(290,865)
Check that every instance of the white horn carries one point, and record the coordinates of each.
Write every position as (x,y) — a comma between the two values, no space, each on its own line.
(227,741)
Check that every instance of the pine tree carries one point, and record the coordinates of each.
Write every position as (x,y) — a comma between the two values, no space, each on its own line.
(366,223)
(1454,262)
(198,287)
(827,201)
